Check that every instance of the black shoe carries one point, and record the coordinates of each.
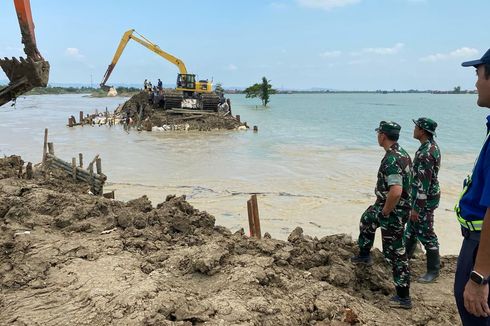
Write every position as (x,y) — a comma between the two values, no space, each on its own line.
(402,303)
(365,260)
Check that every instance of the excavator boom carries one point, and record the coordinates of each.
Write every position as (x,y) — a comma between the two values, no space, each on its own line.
(24,74)
(129,35)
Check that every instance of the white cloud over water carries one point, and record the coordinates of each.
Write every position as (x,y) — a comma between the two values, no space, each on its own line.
(460,53)
(331,54)
(381,51)
(74,53)
(326,4)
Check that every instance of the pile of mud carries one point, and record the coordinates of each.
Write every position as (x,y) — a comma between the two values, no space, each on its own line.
(71,258)
(149,115)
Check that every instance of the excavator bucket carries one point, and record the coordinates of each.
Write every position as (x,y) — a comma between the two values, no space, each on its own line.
(24,74)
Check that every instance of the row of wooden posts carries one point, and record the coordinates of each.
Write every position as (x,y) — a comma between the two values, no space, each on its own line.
(110,119)
(89,119)
(95,179)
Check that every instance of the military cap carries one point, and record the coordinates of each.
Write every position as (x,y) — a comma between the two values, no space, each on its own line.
(427,124)
(389,127)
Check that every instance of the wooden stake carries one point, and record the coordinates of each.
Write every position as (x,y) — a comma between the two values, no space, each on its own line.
(251,224)
(29,171)
(70,122)
(255,208)
(45,146)
(51,148)
(81,118)
(74,168)
(98,165)
(80,159)
(237,117)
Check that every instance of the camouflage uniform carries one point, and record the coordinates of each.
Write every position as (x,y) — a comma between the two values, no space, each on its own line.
(395,169)
(425,194)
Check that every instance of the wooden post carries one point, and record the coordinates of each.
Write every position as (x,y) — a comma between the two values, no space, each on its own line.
(51,148)
(237,117)
(70,122)
(98,165)
(251,224)
(81,118)
(80,159)
(256,129)
(228,101)
(29,171)
(45,146)
(109,195)
(74,168)
(255,208)
(91,170)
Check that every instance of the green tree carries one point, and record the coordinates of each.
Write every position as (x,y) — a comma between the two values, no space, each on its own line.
(262,91)
(457,89)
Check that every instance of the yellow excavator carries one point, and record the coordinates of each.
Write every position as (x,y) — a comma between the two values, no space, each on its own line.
(187,87)
(24,74)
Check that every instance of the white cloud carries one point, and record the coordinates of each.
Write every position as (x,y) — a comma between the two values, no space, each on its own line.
(326,4)
(278,5)
(74,53)
(380,51)
(330,54)
(463,52)
(231,67)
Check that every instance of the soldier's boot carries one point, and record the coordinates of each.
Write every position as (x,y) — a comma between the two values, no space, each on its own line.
(364,258)
(433,266)
(410,247)
(402,298)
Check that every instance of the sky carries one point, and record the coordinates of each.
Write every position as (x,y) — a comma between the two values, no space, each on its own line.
(296,44)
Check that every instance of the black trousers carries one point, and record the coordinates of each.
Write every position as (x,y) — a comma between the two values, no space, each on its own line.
(466,261)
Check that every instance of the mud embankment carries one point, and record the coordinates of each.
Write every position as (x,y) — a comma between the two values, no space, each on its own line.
(149,116)
(71,258)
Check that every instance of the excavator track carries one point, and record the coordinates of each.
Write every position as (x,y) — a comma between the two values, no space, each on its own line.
(169,99)
(209,101)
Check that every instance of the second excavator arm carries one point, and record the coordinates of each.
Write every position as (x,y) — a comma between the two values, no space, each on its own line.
(128,35)
(24,74)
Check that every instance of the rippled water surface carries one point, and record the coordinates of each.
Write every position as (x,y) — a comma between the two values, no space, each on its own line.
(313,161)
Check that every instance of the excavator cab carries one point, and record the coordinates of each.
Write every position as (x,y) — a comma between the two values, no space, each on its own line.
(186,82)
(24,74)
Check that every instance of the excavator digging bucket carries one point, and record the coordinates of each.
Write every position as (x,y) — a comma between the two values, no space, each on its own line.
(24,75)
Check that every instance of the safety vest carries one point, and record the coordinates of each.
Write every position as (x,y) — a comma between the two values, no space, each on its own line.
(470,225)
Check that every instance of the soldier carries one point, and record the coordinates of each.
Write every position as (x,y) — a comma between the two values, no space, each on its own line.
(425,196)
(390,212)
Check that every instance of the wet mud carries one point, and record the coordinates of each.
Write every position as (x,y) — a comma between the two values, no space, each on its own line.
(70,258)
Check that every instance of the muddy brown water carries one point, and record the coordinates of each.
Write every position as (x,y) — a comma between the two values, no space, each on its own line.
(299,184)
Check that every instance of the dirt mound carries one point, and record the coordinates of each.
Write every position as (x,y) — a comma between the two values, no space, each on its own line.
(10,166)
(149,115)
(68,257)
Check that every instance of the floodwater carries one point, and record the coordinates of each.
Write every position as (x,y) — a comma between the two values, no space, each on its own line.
(313,161)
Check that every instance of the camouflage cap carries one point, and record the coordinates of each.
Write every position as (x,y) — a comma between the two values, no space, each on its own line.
(427,124)
(389,127)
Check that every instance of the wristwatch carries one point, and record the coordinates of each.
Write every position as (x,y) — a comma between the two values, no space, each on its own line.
(478,278)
